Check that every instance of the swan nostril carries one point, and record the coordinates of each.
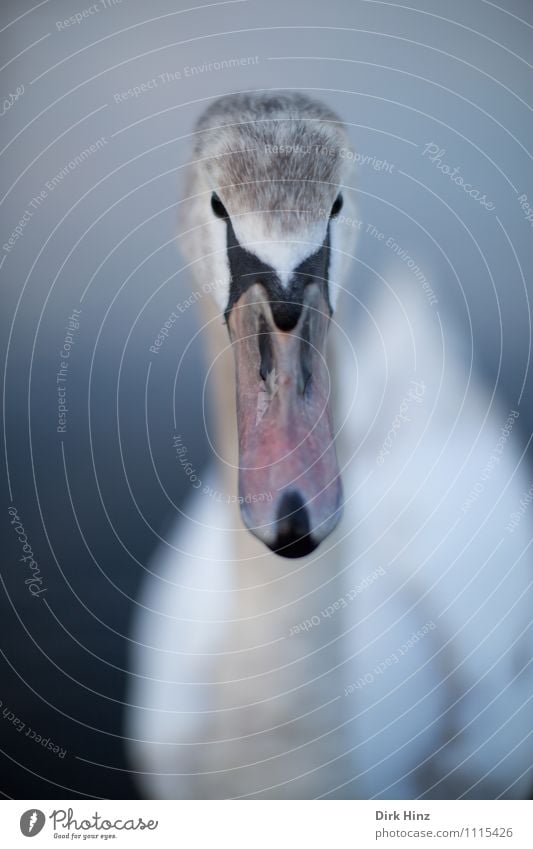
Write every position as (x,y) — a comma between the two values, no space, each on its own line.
(293,537)
(265,349)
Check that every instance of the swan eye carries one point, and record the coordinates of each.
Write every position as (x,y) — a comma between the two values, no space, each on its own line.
(218,207)
(337,206)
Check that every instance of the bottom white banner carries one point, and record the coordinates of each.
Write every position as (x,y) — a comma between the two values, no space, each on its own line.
(268,823)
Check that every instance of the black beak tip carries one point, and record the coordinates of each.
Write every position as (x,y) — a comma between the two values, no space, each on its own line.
(297,548)
(293,537)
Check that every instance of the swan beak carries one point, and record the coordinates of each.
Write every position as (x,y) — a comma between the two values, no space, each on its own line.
(289,483)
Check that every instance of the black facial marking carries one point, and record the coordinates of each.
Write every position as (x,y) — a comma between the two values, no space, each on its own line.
(286,303)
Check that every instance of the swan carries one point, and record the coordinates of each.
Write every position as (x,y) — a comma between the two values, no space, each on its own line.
(342,609)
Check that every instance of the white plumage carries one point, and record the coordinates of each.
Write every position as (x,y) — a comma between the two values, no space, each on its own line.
(394,661)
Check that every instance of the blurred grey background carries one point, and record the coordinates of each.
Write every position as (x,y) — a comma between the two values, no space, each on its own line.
(129,79)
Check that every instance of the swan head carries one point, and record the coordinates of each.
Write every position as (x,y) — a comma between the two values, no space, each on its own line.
(267,186)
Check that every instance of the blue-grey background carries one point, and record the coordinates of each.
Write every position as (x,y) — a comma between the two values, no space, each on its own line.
(457,74)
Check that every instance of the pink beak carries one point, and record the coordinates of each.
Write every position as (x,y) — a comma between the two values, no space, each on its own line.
(289,483)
